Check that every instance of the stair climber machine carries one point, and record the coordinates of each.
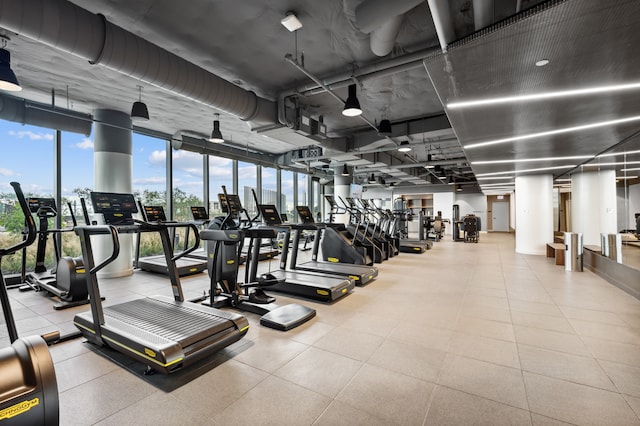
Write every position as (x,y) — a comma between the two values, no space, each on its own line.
(311,285)
(165,333)
(360,274)
(339,244)
(224,252)
(375,227)
(185,265)
(405,245)
(359,228)
(28,386)
(67,280)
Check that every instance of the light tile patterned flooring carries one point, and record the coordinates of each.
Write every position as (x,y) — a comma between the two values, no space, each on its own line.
(464,334)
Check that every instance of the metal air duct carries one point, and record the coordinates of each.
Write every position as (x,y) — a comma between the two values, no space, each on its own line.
(63,25)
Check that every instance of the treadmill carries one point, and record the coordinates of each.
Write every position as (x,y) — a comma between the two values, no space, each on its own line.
(167,334)
(301,283)
(360,274)
(186,265)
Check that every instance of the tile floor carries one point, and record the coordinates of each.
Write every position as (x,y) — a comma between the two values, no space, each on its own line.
(464,334)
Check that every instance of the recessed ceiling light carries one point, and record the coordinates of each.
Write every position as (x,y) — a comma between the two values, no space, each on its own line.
(553,132)
(615,154)
(619,163)
(542,62)
(546,95)
(494,177)
(626,177)
(635,169)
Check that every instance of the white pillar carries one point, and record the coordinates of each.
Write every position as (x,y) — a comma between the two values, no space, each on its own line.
(534,213)
(594,205)
(341,188)
(112,158)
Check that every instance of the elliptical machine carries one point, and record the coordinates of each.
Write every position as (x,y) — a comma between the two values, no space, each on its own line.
(28,389)
(223,266)
(67,281)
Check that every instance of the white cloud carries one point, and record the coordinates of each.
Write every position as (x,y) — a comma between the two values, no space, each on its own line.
(31,135)
(220,172)
(219,162)
(6,172)
(158,158)
(85,144)
(154,180)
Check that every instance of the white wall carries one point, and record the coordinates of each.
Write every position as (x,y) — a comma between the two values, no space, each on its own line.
(473,204)
(443,202)
(534,212)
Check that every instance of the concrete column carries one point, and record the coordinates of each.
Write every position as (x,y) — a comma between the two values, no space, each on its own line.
(112,149)
(341,188)
(534,213)
(594,205)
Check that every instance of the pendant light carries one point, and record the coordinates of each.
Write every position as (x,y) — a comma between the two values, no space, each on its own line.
(345,170)
(216,135)
(404,146)
(385,128)
(352,105)
(139,111)
(8,79)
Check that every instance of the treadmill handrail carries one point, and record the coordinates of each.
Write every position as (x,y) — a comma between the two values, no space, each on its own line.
(102,230)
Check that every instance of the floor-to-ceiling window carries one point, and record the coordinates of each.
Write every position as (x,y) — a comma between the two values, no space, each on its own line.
(27,158)
(286,197)
(220,173)
(247,178)
(269,186)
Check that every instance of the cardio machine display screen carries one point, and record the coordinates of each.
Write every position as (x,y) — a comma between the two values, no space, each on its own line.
(155,214)
(199,213)
(270,214)
(305,214)
(35,203)
(110,202)
(234,202)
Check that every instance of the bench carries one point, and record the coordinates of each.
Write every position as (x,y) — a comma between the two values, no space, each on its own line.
(556,250)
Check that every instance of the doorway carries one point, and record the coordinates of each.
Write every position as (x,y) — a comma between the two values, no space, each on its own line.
(500,216)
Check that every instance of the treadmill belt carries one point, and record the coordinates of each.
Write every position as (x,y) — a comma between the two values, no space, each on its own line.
(170,320)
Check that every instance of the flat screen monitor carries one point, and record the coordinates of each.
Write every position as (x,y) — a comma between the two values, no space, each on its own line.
(305,215)
(270,214)
(155,214)
(199,213)
(111,202)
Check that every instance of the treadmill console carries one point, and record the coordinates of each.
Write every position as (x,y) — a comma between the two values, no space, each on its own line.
(199,213)
(36,203)
(116,208)
(234,202)
(305,214)
(270,214)
(154,214)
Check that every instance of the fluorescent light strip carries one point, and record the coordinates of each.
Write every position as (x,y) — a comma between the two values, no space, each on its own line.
(553,132)
(618,163)
(495,177)
(563,180)
(626,177)
(635,169)
(525,160)
(526,171)
(615,154)
(541,96)
(497,185)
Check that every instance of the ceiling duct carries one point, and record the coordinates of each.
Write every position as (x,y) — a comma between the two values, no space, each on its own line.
(65,26)
(43,115)
(382,19)
(181,140)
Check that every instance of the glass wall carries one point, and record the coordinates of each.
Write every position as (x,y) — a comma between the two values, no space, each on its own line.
(187,184)
(270,186)
(286,197)
(220,173)
(247,178)
(27,158)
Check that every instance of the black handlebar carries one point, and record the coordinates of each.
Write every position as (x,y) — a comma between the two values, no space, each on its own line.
(29,222)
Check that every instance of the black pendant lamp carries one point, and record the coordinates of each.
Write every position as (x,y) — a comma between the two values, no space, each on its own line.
(216,135)
(385,128)
(139,110)
(8,79)
(352,105)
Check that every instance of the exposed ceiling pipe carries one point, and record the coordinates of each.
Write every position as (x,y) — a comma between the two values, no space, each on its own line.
(382,39)
(43,115)
(483,13)
(372,14)
(441,15)
(65,26)
(382,19)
